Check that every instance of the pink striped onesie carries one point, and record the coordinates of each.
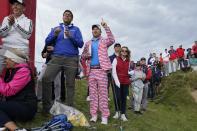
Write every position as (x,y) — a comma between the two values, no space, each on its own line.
(97,78)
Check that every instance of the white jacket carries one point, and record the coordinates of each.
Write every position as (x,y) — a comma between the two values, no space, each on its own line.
(17,35)
(165,56)
(137,77)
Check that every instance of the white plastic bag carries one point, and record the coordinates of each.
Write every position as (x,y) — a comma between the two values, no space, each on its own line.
(76,117)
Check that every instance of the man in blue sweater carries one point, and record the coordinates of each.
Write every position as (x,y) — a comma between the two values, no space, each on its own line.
(65,55)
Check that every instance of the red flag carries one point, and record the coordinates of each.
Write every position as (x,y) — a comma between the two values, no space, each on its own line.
(4,11)
(30,12)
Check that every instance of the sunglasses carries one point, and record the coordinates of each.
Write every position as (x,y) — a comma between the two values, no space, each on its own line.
(124,50)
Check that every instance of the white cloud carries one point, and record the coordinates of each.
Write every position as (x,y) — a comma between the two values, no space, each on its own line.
(143,25)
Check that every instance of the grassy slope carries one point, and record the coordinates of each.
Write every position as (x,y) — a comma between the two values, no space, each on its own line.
(173,110)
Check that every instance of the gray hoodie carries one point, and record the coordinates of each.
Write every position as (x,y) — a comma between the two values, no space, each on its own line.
(137,77)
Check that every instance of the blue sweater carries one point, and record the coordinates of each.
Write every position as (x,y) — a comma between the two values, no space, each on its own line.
(95,57)
(66,46)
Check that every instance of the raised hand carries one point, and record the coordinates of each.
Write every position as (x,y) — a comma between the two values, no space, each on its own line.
(11,19)
(50,48)
(103,23)
(57,31)
(44,55)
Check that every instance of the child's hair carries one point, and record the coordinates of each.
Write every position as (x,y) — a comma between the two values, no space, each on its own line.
(138,63)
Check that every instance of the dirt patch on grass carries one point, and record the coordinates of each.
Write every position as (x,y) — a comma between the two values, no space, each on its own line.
(194,95)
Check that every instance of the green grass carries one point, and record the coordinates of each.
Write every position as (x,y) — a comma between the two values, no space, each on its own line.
(173,110)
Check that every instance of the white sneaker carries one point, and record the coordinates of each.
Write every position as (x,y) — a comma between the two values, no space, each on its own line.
(117,115)
(88,98)
(2,128)
(21,129)
(104,121)
(93,119)
(123,117)
(109,99)
(81,75)
(128,98)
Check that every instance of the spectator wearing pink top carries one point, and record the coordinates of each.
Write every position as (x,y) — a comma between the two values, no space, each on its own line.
(18,99)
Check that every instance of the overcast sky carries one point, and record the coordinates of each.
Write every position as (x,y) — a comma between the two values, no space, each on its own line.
(143,25)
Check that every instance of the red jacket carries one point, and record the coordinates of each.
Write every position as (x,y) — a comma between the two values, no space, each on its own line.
(148,74)
(161,59)
(194,49)
(147,70)
(180,52)
(173,54)
(122,69)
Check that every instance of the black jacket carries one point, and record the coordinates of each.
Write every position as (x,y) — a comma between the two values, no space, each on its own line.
(27,95)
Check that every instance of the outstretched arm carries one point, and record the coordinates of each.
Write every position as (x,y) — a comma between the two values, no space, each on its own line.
(114,73)
(110,37)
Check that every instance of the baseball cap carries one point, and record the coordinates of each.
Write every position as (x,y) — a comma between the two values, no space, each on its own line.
(18,1)
(96,26)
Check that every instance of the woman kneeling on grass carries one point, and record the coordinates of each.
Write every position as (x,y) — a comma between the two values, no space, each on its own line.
(120,68)
(18,99)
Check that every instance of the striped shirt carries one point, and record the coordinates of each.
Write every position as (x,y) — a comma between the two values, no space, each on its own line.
(104,43)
